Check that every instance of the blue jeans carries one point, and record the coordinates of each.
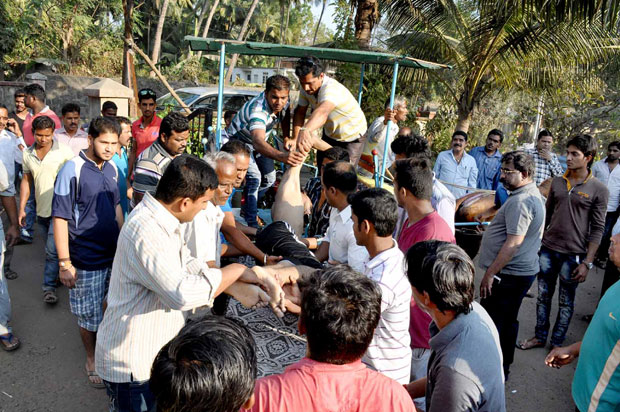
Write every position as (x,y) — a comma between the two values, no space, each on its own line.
(130,397)
(5,300)
(31,214)
(553,265)
(50,272)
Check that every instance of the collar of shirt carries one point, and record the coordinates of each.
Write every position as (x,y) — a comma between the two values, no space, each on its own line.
(32,149)
(92,162)
(384,256)
(5,133)
(154,122)
(327,367)
(165,219)
(80,132)
(524,188)
(480,149)
(343,215)
(568,185)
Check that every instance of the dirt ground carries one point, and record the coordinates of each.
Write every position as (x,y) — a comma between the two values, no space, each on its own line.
(47,372)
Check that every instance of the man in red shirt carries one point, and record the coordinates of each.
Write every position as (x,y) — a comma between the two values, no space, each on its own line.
(340,309)
(145,130)
(35,101)
(413,187)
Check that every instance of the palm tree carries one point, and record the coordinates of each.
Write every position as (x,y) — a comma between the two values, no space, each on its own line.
(163,9)
(492,44)
(244,29)
(366,17)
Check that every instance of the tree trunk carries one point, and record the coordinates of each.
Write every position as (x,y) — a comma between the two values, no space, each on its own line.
(241,36)
(201,18)
(288,15)
(127,14)
(464,119)
(366,17)
(318,24)
(158,33)
(208,24)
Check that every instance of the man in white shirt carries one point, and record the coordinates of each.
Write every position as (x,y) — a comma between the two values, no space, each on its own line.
(70,133)
(339,245)
(606,171)
(154,279)
(603,168)
(456,168)
(374,220)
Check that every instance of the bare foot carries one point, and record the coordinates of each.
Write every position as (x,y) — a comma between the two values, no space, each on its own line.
(272,286)
(249,295)
(93,379)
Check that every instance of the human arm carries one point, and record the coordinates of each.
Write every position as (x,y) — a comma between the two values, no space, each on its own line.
(145,180)
(245,229)
(561,356)
(305,138)
(10,206)
(119,216)
(437,167)
(13,127)
(507,251)
(241,241)
(445,398)
(596,230)
(417,388)
(555,166)
(67,275)
(299,116)
(24,194)
(292,158)
(613,185)
(322,252)
(472,181)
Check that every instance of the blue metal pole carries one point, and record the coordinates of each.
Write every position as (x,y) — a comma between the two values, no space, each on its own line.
(220,98)
(375,161)
(389,124)
(359,93)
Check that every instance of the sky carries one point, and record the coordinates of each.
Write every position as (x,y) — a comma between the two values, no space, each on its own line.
(327,16)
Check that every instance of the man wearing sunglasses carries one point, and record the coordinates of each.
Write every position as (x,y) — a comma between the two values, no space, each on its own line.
(145,130)
(509,249)
(333,108)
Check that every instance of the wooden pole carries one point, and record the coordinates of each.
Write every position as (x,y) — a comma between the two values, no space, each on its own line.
(159,75)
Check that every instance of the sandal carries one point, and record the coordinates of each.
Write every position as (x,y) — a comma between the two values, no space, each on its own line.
(530,344)
(10,274)
(93,374)
(49,296)
(9,342)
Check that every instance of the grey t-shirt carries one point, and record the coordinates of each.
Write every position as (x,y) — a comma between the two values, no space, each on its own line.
(522,214)
(465,367)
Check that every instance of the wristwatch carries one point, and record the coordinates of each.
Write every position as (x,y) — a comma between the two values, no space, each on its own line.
(589,265)
(64,264)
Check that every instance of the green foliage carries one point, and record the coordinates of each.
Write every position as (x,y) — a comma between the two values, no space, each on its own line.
(7,35)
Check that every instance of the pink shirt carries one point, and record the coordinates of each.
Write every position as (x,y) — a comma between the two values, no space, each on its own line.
(27,129)
(145,136)
(310,386)
(431,227)
(78,142)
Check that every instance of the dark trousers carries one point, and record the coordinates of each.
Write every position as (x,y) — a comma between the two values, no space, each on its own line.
(503,305)
(603,249)
(354,149)
(612,275)
(130,397)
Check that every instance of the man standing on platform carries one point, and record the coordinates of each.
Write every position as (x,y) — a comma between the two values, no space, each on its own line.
(333,108)
(456,168)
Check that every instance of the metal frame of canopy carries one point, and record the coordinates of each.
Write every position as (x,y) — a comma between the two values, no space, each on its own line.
(221,46)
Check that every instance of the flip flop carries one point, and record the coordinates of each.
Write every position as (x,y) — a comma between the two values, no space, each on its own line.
(49,296)
(93,384)
(530,344)
(11,340)
(10,274)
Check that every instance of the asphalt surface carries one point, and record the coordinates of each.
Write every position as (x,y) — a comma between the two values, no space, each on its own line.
(47,372)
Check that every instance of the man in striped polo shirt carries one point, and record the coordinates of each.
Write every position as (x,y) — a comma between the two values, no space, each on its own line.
(253,125)
(374,213)
(333,108)
(152,163)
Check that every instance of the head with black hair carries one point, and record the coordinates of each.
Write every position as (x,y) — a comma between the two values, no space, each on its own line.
(340,309)
(20,100)
(228,117)
(109,109)
(43,131)
(125,137)
(374,214)
(459,142)
(103,133)
(71,118)
(309,71)
(173,133)
(147,102)
(580,151)
(209,366)
(410,145)
(442,277)
(544,142)
(339,180)
(186,186)
(413,180)
(494,140)
(277,91)
(613,151)
(242,158)
(35,97)
(333,154)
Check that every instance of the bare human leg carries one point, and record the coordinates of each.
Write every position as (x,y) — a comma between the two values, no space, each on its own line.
(89,340)
(289,204)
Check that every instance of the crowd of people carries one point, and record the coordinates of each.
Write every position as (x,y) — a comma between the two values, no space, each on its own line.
(143,234)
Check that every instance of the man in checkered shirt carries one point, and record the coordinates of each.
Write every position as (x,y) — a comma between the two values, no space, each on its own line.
(547,162)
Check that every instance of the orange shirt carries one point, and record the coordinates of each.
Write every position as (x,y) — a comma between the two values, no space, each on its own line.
(145,136)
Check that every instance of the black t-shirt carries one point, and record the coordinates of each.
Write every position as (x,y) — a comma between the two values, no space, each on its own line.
(19,121)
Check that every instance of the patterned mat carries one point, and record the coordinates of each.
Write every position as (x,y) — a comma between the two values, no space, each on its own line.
(278,343)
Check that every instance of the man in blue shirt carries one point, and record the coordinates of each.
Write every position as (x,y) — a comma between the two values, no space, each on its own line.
(488,160)
(87,220)
(455,168)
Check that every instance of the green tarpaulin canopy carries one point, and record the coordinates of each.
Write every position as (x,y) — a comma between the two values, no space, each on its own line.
(212,46)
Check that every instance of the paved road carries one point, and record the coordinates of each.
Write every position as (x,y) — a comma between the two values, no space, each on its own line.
(47,372)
